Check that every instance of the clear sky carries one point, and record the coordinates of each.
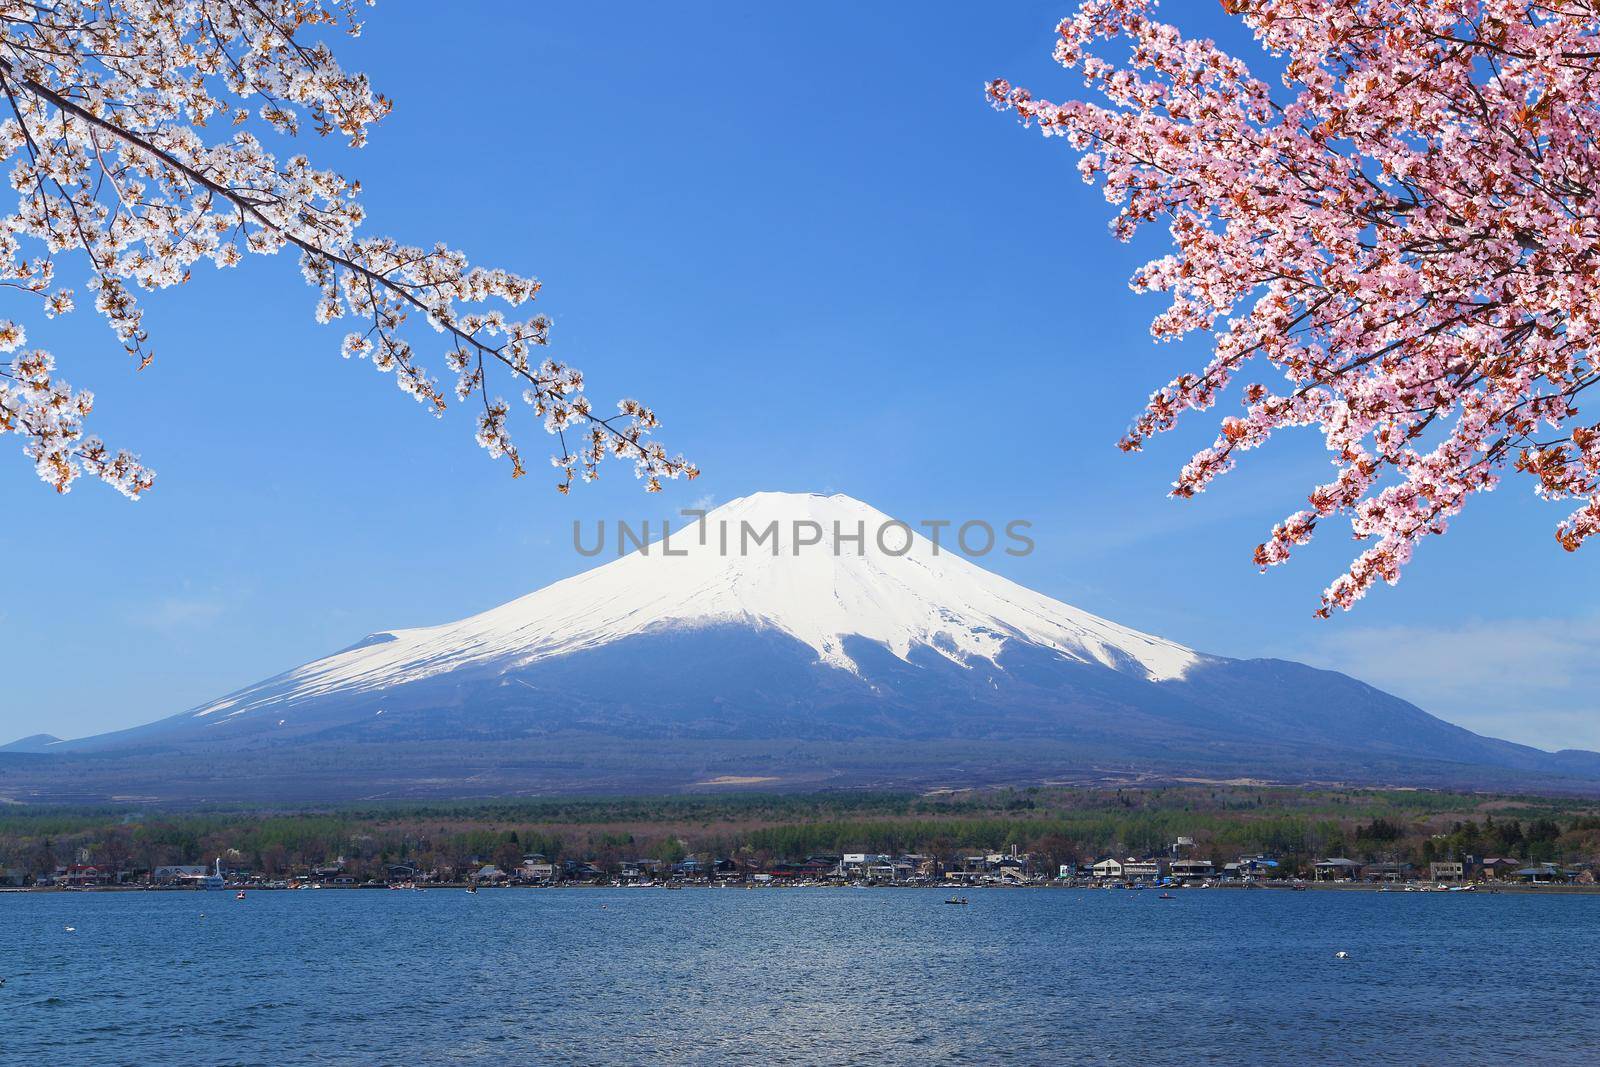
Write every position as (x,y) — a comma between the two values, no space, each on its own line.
(807,241)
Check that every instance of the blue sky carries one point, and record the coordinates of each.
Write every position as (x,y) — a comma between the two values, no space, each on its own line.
(812,247)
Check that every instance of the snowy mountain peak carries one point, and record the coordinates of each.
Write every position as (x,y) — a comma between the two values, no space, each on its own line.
(818,568)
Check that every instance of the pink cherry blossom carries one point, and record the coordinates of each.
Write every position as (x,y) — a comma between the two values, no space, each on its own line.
(1399,245)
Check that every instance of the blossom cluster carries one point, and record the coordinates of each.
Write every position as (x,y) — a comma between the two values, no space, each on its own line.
(49,415)
(110,105)
(1407,234)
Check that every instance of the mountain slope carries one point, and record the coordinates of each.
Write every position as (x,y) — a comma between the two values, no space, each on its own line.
(785,640)
(817,594)
(32,743)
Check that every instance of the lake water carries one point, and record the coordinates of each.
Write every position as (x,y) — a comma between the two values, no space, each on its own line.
(797,976)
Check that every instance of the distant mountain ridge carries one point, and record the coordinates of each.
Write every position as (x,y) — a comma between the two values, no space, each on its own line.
(32,743)
(818,659)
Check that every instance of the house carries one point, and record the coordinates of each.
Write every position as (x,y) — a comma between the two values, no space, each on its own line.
(1544,874)
(974,865)
(402,872)
(640,870)
(1247,868)
(85,874)
(179,874)
(689,870)
(489,873)
(1141,870)
(1191,870)
(1108,869)
(1387,872)
(811,869)
(1257,866)
(855,864)
(536,873)
(1335,869)
(1494,868)
(1447,871)
(580,871)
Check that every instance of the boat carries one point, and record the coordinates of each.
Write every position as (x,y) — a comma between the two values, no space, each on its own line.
(1462,888)
(1166,896)
(956,900)
(472,888)
(214,881)
(239,895)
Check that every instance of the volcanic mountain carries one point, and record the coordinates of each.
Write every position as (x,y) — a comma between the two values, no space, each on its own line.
(786,641)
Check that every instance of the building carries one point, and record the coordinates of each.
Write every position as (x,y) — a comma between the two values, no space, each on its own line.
(582,871)
(1388,872)
(1191,870)
(857,864)
(1108,870)
(1248,867)
(1335,869)
(790,872)
(641,870)
(1447,871)
(1544,874)
(536,872)
(84,874)
(182,874)
(1494,868)
(1141,870)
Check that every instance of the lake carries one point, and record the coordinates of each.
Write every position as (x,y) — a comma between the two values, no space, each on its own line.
(797,976)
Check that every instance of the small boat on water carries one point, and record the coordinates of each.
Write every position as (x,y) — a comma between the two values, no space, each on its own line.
(956,900)
(214,880)
(239,895)
(1166,896)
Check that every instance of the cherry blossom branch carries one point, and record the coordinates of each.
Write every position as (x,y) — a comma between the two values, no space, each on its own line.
(1411,239)
(111,84)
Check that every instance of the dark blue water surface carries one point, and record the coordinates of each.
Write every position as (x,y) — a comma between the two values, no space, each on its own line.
(797,976)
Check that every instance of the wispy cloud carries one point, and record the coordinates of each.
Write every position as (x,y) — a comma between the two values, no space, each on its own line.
(177,612)
(1533,680)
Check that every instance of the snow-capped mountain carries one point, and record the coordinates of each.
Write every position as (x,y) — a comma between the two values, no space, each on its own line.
(785,640)
(864,577)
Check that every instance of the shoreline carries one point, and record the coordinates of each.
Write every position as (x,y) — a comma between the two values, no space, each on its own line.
(1479,888)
